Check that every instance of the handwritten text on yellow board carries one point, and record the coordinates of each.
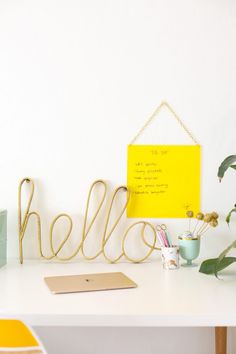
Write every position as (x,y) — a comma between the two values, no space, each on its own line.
(164,180)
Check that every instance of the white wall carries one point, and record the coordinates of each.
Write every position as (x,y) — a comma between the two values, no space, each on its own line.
(79,78)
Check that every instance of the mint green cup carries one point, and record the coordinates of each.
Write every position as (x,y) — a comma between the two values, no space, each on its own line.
(189,250)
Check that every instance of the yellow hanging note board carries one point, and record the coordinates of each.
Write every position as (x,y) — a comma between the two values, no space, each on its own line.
(164,180)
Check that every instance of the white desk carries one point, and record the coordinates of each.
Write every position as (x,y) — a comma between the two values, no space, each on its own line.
(181,297)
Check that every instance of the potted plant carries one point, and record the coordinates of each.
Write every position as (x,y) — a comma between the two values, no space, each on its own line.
(214,265)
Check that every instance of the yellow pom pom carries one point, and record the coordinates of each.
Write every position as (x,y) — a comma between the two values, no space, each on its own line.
(189,213)
(215,215)
(208,218)
(200,216)
(214,223)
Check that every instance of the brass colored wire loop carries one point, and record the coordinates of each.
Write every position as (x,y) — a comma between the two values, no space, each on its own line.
(55,252)
(107,234)
(152,247)
(86,230)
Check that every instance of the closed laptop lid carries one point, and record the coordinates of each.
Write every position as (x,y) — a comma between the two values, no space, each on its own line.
(88,282)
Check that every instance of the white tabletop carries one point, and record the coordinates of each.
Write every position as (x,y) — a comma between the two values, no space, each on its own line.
(181,297)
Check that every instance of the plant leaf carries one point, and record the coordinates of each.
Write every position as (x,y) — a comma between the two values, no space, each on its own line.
(225,165)
(209,266)
(228,217)
(222,256)
(233,166)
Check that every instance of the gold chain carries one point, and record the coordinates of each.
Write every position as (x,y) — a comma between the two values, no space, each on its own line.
(154,114)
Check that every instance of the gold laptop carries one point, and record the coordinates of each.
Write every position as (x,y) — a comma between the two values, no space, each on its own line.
(88,282)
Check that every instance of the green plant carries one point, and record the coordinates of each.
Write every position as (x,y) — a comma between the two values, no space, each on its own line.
(214,265)
(227,163)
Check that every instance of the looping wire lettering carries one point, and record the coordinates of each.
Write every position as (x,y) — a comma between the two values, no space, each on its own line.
(55,252)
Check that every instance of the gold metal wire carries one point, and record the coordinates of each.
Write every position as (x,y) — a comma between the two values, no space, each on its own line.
(152,247)
(155,113)
(23,220)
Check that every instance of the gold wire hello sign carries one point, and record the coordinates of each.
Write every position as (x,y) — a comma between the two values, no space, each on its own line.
(24,217)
